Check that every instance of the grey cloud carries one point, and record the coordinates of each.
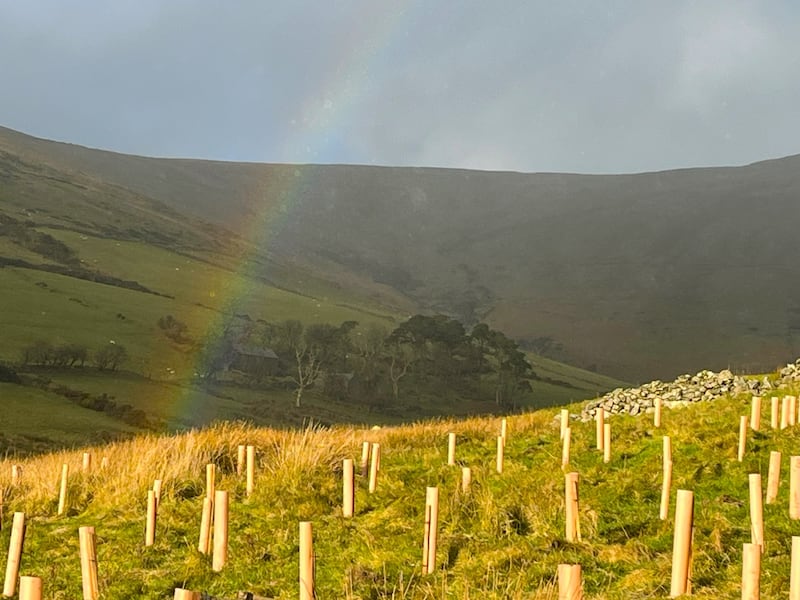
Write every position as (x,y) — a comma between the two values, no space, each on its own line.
(568,86)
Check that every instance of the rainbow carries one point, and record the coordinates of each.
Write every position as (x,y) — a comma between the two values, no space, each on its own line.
(325,118)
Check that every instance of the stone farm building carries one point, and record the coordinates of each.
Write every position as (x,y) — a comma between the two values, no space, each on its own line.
(258,362)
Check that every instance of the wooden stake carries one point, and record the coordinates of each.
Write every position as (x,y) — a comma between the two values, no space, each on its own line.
(794,487)
(451,448)
(565,447)
(607,443)
(657,413)
(86,465)
(682,542)
(150,528)
(15,473)
(466,479)
(504,429)
(755,413)
(794,573)
(240,458)
(572,522)
(182,594)
(773,415)
(600,417)
(62,495)
(756,511)
(88,551)
(666,479)
(570,586)
(792,418)
(431,530)
(373,467)
(14,553)
(365,459)
(501,445)
(220,553)
(104,463)
(307,587)
(564,421)
(30,588)
(751,572)
(251,470)
(211,485)
(774,476)
(348,491)
(205,526)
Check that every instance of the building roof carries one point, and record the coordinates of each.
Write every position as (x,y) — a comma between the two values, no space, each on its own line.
(255,351)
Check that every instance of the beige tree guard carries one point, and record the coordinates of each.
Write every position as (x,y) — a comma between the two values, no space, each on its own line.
(773,476)
(219,557)
(348,488)
(756,511)
(451,448)
(794,487)
(666,479)
(682,543)
(751,572)
(755,413)
(88,551)
(572,527)
(306,580)
(251,470)
(14,553)
(30,588)
(794,575)
(600,419)
(431,530)
(570,586)
(150,527)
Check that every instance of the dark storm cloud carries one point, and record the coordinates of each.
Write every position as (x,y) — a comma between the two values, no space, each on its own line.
(569,86)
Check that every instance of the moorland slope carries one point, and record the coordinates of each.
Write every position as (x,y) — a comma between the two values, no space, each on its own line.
(638,276)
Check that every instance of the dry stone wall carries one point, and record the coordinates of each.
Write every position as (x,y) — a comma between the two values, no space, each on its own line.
(703,386)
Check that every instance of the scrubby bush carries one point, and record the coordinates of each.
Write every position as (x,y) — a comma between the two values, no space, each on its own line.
(174,329)
(8,375)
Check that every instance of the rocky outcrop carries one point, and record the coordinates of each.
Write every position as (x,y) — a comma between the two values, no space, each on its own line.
(705,385)
(790,373)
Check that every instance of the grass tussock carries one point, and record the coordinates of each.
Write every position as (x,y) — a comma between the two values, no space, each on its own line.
(502,539)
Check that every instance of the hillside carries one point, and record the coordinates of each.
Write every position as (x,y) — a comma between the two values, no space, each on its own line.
(86,264)
(503,538)
(638,276)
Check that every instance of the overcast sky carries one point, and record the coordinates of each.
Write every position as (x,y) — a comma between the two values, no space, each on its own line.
(558,85)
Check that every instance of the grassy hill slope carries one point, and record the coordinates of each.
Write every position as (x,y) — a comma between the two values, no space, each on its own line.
(158,376)
(639,276)
(37,421)
(502,539)
(85,260)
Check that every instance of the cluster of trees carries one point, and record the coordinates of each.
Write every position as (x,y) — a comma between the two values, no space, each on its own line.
(102,403)
(108,357)
(372,364)
(24,234)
